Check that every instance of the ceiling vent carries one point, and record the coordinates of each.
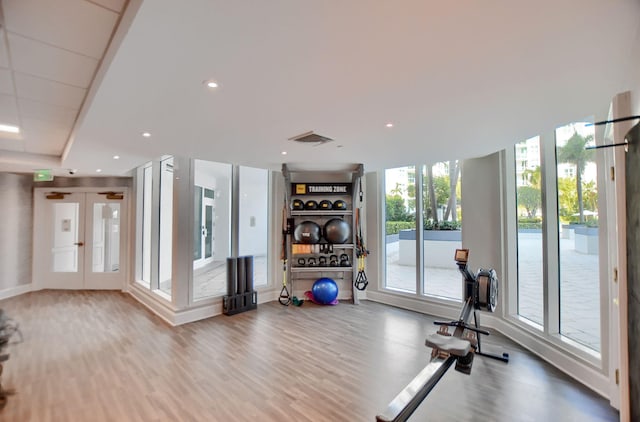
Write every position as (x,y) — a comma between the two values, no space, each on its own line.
(311,138)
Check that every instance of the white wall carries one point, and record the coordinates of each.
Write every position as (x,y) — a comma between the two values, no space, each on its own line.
(15,230)
(481,212)
(253,213)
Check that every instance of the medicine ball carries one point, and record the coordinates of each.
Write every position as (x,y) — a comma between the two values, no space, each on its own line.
(325,204)
(339,205)
(307,232)
(297,204)
(311,205)
(337,230)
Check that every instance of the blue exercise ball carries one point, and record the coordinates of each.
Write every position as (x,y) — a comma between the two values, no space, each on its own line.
(325,290)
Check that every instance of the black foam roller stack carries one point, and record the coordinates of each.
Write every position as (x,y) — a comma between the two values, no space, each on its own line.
(242,275)
(249,273)
(232,275)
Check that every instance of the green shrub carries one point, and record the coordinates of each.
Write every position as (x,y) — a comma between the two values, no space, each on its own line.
(394,227)
(442,225)
(529,223)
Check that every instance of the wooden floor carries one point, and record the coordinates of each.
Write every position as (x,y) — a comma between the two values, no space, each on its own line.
(100,356)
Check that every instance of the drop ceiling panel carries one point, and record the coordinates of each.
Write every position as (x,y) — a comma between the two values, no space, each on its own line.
(49,92)
(43,137)
(115,5)
(8,110)
(52,63)
(62,116)
(4,60)
(11,145)
(6,83)
(76,25)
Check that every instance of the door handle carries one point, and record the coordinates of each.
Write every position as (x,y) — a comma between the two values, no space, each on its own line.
(79,243)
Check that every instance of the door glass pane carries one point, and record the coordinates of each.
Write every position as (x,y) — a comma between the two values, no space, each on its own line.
(166,225)
(198,226)
(254,220)
(106,237)
(400,229)
(64,253)
(214,234)
(208,237)
(442,229)
(578,235)
(530,218)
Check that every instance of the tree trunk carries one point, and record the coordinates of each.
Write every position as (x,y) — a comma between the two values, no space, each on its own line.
(432,195)
(579,191)
(452,204)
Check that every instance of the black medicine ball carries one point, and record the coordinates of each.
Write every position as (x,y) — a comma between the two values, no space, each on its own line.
(325,204)
(297,204)
(311,205)
(339,205)
(307,232)
(337,230)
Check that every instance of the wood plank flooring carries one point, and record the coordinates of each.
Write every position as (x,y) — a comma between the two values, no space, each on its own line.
(101,356)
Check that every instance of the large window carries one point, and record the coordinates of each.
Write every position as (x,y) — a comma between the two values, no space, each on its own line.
(529,226)
(419,252)
(442,217)
(212,228)
(579,232)
(558,232)
(400,229)
(147,205)
(166,225)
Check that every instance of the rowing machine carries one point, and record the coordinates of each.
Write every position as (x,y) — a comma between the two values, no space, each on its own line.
(459,347)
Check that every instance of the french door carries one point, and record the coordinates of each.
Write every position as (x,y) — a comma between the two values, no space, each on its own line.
(79,239)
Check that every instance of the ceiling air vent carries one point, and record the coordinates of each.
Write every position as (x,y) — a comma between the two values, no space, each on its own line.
(311,138)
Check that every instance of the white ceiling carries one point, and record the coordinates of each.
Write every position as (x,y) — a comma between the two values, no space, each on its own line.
(457,79)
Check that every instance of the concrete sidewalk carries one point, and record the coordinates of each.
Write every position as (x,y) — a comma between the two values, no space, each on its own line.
(579,286)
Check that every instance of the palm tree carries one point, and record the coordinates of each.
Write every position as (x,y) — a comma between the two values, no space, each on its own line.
(533,177)
(452,204)
(574,152)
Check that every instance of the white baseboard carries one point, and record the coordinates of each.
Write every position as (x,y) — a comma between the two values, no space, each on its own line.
(16,291)
(164,309)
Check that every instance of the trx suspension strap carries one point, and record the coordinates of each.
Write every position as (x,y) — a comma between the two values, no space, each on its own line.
(284,298)
(361,281)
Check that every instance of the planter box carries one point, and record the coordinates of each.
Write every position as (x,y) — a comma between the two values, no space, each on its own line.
(439,247)
(586,240)
(568,230)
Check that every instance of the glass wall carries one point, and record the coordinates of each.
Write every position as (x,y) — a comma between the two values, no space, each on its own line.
(442,217)
(400,229)
(145,258)
(212,228)
(166,225)
(577,192)
(529,235)
(254,219)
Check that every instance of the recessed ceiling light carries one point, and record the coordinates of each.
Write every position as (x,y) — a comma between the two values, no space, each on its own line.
(98,170)
(9,128)
(211,84)
(146,134)
(116,157)
(284,153)
(389,124)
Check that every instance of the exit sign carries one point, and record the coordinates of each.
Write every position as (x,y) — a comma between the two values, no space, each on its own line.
(43,175)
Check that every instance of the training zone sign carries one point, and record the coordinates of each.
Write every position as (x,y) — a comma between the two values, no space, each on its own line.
(321,188)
